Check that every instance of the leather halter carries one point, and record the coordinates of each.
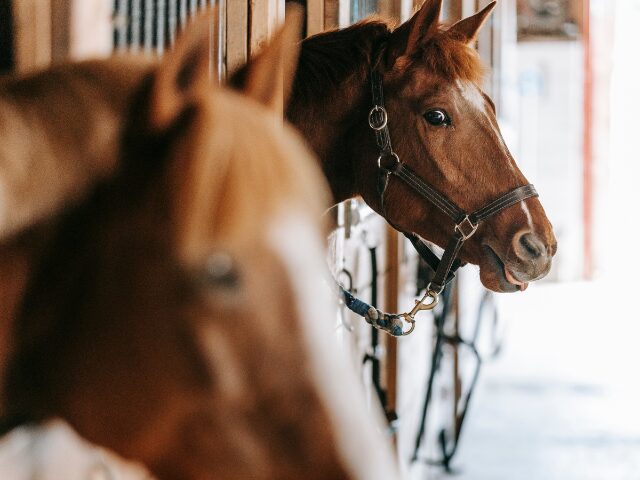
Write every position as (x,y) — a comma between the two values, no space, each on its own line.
(465,224)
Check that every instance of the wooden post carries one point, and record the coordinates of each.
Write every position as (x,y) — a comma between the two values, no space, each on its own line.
(390,9)
(453,11)
(315,16)
(331,13)
(237,34)
(264,17)
(32,34)
(587,144)
(485,41)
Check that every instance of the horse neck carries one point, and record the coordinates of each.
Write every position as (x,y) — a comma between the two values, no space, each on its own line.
(331,95)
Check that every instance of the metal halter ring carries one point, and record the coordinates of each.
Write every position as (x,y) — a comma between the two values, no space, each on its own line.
(411,321)
(377,126)
(390,154)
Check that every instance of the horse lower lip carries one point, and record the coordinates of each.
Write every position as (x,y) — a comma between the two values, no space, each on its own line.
(512,280)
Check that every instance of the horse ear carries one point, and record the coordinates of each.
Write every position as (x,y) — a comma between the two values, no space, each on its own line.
(467,29)
(406,39)
(185,72)
(268,77)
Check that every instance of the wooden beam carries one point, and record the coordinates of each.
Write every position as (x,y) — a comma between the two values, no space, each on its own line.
(258,24)
(264,18)
(337,13)
(60,29)
(32,34)
(237,34)
(485,40)
(315,16)
(391,9)
(332,13)
(452,11)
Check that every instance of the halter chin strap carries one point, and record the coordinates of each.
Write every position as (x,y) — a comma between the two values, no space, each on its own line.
(465,224)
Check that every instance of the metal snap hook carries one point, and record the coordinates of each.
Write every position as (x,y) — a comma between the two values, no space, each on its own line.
(422,306)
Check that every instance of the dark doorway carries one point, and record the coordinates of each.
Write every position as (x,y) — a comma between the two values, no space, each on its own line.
(6,37)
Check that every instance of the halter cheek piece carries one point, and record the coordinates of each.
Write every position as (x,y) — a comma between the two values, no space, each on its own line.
(465,224)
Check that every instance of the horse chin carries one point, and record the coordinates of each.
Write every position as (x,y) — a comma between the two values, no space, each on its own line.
(495,276)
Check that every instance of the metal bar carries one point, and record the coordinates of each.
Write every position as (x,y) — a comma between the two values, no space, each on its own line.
(183,12)
(121,24)
(173,20)
(391,284)
(160,26)
(136,18)
(148,25)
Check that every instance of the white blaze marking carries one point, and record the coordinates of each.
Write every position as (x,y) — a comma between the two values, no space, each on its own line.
(365,452)
(526,211)
(471,93)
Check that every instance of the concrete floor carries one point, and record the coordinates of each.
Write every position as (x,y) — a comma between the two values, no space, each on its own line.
(562,402)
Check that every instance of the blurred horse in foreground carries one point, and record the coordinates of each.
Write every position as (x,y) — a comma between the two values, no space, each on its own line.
(161,257)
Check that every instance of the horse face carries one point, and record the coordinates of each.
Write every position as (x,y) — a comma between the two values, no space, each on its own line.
(451,138)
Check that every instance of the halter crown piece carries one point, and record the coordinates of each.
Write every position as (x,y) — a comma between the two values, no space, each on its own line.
(465,224)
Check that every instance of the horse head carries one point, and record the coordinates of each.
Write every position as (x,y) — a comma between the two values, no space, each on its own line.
(444,127)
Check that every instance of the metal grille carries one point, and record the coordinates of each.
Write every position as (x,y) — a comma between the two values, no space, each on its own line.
(151,26)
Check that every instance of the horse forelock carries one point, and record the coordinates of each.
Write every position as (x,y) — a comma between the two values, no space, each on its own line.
(451,59)
(244,166)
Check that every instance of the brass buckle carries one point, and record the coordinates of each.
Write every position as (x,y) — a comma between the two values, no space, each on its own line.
(466,228)
(375,125)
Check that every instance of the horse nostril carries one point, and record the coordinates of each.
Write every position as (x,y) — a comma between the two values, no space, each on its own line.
(530,246)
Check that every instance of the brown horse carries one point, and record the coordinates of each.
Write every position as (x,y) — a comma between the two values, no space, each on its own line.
(442,126)
(160,258)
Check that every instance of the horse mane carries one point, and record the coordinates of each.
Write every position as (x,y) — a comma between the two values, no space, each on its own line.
(328,58)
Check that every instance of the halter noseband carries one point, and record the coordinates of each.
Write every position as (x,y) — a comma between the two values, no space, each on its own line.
(465,224)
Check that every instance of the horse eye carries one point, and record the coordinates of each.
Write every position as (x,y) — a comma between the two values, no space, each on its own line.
(437,118)
(220,271)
